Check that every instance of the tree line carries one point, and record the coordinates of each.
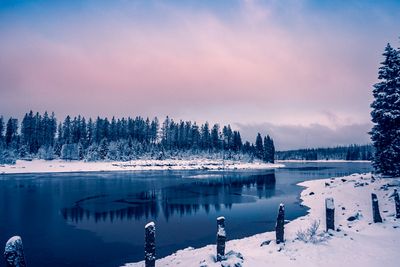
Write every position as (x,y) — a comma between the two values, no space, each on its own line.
(352,152)
(78,138)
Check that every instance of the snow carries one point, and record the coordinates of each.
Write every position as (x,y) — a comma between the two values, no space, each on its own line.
(12,243)
(43,166)
(359,242)
(150,224)
(319,160)
(329,202)
(221,231)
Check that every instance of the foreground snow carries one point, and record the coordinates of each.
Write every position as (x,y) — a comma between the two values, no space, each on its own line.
(356,243)
(43,166)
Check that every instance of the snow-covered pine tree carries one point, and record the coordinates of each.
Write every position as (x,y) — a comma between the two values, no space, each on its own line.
(11,131)
(269,149)
(1,129)
(259,153)
(385,134)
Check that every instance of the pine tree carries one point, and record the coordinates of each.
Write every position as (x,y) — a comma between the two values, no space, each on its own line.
(154,130)
(385,133)
(66,131)
(103,149)
(37,133)
(113,129)
(259,153)
(215,142)
(27,131)
(269,149)
(11,131)
(205,136)
(1,129)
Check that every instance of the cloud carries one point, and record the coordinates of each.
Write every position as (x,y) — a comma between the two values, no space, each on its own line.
(314,135)
(259,61)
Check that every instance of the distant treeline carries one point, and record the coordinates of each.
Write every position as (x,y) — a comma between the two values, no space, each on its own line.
(78,138)
(352,152)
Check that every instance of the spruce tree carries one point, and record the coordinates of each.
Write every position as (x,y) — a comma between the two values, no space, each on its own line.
(259,153)
(385,134)
(269,149)
(11,131)
(215,136)
(1,129)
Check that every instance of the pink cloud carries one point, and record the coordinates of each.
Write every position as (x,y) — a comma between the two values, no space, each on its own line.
(191,63)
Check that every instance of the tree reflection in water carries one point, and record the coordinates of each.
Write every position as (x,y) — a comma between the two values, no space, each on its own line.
(190,196)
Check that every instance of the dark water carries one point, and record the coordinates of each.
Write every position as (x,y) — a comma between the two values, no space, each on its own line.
(97,219)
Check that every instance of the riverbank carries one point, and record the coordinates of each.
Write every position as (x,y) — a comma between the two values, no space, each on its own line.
(43,166)
(357,242)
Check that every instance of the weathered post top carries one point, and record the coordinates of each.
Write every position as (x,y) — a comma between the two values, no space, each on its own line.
(150,225)
(280,224)
(375,209)
(150,245)
(14,252)
(221,238)
(330,214)
(329,203)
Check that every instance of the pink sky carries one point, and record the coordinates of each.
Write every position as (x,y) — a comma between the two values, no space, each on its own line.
(250,68)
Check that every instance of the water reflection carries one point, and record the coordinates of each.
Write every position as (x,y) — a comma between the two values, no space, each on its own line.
(193,194)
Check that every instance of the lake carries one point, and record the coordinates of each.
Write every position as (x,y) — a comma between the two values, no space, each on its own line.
(97,219)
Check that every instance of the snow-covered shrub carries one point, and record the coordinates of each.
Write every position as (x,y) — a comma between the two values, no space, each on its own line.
(70,152)
(310,235)
(23,151)
(113,151)
(7,156)
(46,153)
(92,153)
(103,149)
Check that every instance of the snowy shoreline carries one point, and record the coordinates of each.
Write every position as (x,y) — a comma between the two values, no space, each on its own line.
(357,242)
(60,166)
(319,161)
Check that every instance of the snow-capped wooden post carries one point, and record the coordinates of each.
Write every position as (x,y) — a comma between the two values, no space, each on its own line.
(375,209)
(14,253)
(280,225)
(150,245)
(397,203)
(330,214)
(221,238)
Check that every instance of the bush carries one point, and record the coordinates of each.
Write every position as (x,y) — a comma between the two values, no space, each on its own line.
(70,152)
(310,235)
(7,156)
(46,153)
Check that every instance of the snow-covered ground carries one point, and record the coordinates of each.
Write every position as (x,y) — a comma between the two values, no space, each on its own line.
(43,166)
(355,243)
(320,160)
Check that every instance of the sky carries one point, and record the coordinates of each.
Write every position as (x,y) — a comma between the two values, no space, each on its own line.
(299,70)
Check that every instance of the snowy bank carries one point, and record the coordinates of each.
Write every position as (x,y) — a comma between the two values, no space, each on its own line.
(319,160)
(357,241)
(43,166)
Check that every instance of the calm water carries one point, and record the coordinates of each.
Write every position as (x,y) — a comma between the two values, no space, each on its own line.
(97,219)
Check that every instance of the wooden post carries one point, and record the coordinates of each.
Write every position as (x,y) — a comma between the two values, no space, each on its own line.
(221,238)
(397,203)
(150,245)
(330,214)
(375,209)
(280,224)
(14,253)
